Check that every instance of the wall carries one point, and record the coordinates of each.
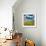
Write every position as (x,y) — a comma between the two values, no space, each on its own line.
(43,22)
(28,6)
(6,13)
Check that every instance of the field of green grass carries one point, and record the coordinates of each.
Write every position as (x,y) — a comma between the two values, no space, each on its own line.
(29,23)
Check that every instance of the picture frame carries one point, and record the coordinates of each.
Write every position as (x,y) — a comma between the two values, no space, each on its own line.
(29,20)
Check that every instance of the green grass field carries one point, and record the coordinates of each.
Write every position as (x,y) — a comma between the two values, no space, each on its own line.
(29,23)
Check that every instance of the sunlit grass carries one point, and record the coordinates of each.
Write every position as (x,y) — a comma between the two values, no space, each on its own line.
(29,23)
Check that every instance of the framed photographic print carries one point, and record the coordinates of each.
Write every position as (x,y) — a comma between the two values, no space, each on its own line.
(29,20)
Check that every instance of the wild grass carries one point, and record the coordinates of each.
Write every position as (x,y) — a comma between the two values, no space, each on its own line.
(29,23)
